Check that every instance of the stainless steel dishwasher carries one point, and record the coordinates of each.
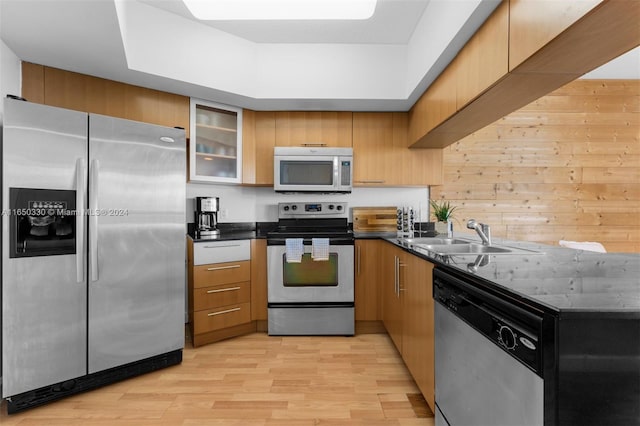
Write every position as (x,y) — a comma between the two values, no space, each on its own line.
(488,358)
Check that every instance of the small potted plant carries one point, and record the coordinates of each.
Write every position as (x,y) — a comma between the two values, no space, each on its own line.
(443,212)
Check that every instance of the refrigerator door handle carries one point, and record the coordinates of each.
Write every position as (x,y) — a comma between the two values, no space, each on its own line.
(80,237)
(93,219)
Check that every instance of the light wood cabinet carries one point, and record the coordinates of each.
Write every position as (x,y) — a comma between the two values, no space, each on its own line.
(259,138)
(533,25)
(392,287)
(80,92)
(436,105)
(312,128)
(219,294)
(548,47)
(367,276)
(381,157)
(418,338)
(408,313)
(259,283)
(484,59)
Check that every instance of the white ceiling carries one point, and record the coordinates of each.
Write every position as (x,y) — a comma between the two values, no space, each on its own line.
(393,22)
(382,64)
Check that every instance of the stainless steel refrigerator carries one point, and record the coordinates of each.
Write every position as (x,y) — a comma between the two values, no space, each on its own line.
(93,250)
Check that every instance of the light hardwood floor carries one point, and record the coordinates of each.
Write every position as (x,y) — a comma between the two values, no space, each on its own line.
(255,380)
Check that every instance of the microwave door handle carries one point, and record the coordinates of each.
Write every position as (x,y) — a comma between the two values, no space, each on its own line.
(336,172)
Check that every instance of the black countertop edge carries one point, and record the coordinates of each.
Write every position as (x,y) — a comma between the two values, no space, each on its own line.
(234,231)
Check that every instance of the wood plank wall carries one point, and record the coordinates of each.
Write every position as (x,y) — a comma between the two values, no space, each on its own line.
(566,166)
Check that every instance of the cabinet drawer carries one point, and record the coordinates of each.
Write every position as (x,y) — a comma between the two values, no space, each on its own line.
(221,273)
(222,295)
(222,317)
(221,251)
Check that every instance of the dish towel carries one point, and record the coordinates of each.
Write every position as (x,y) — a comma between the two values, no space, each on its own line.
(294,250)
(583,245)
(320,248)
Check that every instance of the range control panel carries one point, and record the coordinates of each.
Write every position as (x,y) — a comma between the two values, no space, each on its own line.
(324,209)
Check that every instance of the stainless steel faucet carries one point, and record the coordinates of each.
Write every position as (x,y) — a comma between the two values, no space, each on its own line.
(483,230)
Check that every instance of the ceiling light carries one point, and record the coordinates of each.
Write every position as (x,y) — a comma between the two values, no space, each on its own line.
(213,10)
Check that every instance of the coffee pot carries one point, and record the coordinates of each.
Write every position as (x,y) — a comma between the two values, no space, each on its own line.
(206,219)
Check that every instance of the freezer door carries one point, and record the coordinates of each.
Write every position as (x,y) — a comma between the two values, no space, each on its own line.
(136,241)
(44,298)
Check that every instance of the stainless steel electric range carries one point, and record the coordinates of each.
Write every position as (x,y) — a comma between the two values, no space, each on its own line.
(310,259)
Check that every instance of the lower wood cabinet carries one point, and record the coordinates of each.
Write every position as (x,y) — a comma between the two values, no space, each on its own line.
(408,313)
(219,293)
(367,270)
(259,283)
(391,291)
(418,338)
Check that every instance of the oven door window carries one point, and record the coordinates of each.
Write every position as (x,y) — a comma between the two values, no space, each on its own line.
(306,172)
(42,222)
(310,273)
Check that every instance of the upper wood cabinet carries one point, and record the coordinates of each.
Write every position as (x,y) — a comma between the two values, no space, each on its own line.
(485,58)
(546,48)
(80,92)
(381,157)
(436,105)
(310,128)
(534,25)
(259,138)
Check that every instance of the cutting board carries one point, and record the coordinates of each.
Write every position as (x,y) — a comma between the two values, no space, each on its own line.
(374,219)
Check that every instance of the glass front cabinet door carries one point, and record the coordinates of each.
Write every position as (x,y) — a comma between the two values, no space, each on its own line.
(215,148)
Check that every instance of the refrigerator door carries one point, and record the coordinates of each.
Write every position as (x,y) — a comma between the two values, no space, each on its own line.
(136,241)
(44,299)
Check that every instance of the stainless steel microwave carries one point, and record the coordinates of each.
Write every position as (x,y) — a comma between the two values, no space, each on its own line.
(302,169)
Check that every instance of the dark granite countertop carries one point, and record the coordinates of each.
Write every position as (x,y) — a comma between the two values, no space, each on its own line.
(234,231)
(557,279)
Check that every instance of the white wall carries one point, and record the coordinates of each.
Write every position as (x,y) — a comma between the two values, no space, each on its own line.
(247,204)
(9,83)
(9,74)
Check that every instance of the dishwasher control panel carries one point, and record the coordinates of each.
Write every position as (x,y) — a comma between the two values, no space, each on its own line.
(516,331)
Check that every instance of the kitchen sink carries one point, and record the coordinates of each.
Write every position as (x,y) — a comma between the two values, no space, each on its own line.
(432,241)
(471,248)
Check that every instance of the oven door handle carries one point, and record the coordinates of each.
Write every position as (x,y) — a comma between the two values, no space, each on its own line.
(346,241)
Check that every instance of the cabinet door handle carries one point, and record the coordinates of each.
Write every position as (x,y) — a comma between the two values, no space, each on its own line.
(400,287)
(220,290)
(395,275)
(223,246)
(314,144)
(371,181)
(226,311)
(218,268)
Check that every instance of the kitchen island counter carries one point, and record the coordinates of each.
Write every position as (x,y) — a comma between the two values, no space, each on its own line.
(555,279)
(588,304)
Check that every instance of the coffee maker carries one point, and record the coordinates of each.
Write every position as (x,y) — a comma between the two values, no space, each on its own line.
(207,216)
